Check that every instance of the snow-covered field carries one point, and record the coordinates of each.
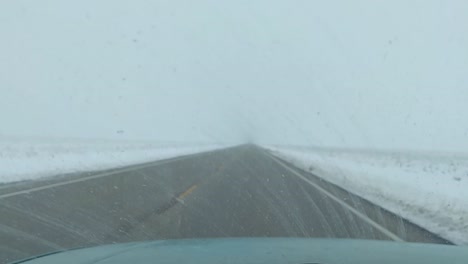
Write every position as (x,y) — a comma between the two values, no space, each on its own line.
(34,159)
(429,189)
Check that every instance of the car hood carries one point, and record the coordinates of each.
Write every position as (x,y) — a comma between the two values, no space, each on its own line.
(262,250)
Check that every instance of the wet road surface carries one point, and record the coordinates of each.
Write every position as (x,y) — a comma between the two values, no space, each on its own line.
(236,192)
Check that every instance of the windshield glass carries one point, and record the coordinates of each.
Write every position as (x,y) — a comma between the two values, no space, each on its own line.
(128,121)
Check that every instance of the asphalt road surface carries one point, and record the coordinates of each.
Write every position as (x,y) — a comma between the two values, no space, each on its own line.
(236,192)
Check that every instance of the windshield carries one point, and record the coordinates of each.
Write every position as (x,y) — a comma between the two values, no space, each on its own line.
(129,121)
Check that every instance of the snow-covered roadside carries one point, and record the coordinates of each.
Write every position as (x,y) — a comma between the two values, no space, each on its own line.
(35,159)
(428,189)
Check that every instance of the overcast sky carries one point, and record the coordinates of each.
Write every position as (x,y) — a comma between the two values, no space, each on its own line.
(376,74)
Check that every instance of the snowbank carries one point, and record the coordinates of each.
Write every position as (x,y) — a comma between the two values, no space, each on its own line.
(34,159)
(429,189)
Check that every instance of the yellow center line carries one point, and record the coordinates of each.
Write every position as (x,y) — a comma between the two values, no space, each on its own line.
(187,192)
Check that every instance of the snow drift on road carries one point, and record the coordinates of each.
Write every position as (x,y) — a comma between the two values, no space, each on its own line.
(34,159)
(429,189)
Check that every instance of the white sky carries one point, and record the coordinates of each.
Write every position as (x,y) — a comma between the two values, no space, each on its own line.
(379,74)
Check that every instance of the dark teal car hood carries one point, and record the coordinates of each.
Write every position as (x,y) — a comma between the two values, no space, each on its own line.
(262,250)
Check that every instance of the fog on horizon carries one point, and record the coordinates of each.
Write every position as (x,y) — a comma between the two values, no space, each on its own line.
(361,74)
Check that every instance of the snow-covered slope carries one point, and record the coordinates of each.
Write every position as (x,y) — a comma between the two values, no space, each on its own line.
(34,159)
(429,189)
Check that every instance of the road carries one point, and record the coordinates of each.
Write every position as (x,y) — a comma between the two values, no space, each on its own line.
(236,192)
